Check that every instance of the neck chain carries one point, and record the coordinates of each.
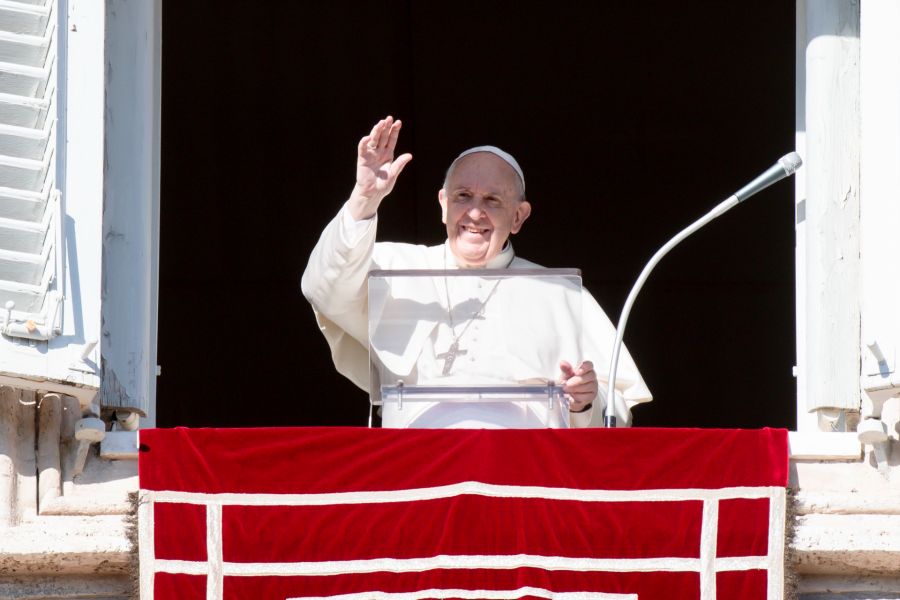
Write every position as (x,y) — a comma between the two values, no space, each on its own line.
(454,351)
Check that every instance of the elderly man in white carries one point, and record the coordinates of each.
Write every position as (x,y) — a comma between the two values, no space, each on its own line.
(482,203)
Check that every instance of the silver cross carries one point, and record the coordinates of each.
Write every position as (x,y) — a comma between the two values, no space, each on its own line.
(449,357)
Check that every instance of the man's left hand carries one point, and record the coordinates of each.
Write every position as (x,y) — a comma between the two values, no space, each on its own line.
(580,384)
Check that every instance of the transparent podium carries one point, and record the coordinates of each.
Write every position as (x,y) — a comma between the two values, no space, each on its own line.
(472,348)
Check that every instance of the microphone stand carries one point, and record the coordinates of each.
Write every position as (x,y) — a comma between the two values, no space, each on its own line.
(785,167)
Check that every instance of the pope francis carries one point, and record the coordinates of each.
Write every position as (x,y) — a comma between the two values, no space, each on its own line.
(483,203)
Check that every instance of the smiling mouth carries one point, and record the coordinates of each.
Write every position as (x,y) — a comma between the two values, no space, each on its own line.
(474,230)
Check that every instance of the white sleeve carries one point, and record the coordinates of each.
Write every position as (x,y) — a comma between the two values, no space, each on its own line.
(351,229)
(334,281)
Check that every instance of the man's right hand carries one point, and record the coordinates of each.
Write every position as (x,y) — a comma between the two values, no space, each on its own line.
(376,168)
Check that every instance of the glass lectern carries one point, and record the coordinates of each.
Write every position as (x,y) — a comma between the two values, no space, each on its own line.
(472,347)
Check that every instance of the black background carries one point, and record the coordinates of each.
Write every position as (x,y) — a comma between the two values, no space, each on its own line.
(630,121)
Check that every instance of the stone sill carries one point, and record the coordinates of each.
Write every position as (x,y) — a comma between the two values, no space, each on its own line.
(66,545)
(848,502)
(847,544)
(829,587)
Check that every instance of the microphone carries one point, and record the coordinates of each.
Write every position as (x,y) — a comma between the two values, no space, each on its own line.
(785,167)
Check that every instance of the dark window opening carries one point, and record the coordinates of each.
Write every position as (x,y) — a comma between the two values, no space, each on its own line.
(630,121)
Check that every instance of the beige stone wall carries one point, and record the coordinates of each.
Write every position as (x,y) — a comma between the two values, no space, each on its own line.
(847,535)
(63,532)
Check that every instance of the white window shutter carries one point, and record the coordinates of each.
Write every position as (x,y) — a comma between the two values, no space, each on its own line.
(79,199)
(49,275)
(30,203)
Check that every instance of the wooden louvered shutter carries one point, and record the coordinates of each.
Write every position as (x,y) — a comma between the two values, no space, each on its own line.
(30,203)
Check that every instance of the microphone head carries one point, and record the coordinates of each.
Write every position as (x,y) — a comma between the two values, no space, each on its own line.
(790,163)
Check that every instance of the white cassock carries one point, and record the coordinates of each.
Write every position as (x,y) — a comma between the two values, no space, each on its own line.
(514,348)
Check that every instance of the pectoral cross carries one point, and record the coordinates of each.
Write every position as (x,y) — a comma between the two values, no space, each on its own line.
(449,357)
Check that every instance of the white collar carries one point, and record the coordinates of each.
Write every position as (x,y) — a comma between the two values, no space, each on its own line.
(501,261)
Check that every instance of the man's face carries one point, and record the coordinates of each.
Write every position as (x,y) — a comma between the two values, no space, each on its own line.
(481,204)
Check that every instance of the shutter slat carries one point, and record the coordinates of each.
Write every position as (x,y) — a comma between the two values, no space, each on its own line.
(22,267)
(23,80)
(39,3)
(23,173)
(29,299)
(30,50)
(24,142)
(22,205)
(23,236)
(28,19)
(22,111)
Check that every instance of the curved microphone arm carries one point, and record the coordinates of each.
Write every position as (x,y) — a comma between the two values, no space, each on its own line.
(610,418)
(785,167)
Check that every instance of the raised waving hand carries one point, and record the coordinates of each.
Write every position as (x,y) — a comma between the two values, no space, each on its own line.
(376,168)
